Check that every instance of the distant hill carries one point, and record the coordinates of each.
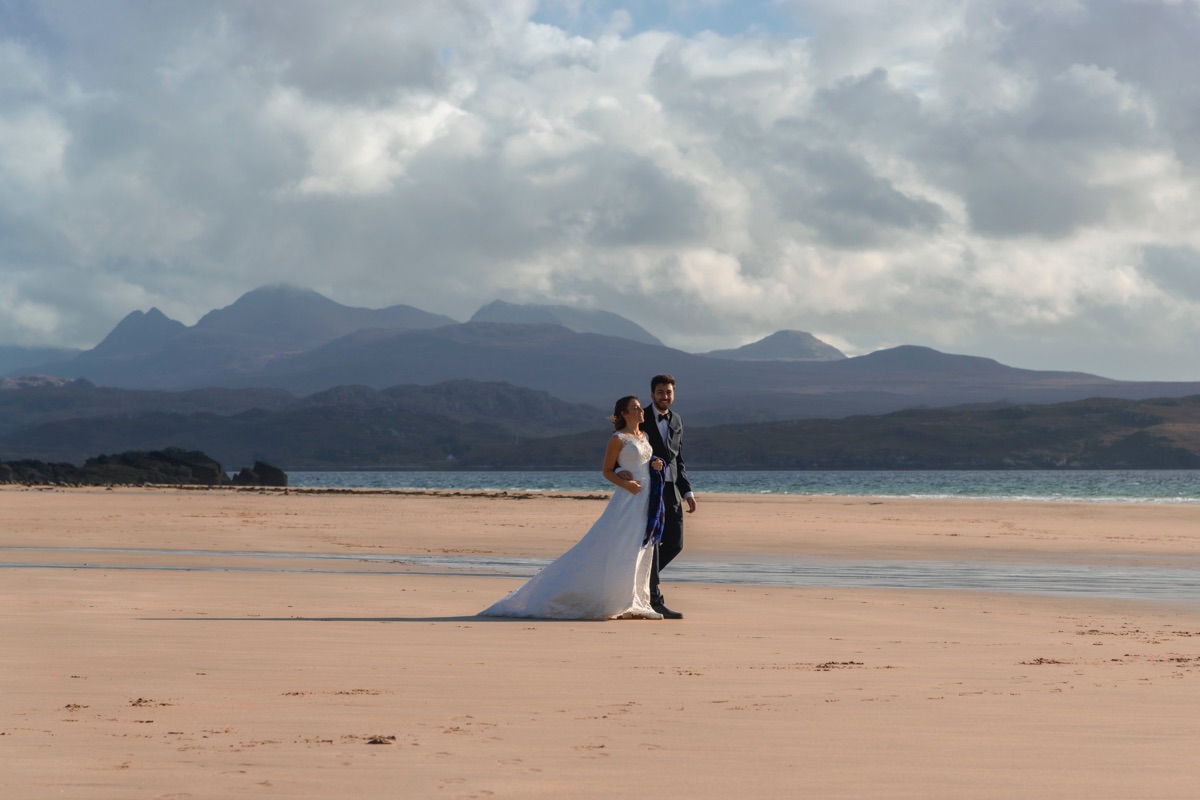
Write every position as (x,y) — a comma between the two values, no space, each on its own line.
(26,402)
(348,426)
(783,346)
(1094,433)
(580,320)
(484,426)
(1085,434)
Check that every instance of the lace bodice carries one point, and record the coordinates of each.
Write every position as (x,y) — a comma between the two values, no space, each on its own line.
(635,454)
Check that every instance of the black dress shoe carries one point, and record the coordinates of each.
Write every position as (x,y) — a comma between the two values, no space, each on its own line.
(666,612)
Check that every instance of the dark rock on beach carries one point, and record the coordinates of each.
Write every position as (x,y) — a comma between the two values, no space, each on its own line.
(32,472)
(261,474)
(172,466)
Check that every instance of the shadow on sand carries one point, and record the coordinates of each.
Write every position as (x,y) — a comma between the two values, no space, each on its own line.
(360,619)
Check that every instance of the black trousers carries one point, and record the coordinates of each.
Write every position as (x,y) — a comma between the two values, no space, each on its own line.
(672,540)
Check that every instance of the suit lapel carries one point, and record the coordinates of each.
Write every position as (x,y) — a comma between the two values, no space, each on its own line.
(673,433)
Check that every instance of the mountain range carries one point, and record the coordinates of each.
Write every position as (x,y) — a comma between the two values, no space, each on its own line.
(288,376)
(296,340)
(274,330)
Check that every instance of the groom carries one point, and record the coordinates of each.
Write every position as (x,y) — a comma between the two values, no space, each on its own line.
(665,430)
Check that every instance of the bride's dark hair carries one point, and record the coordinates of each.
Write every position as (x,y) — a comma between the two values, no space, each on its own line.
(618,415)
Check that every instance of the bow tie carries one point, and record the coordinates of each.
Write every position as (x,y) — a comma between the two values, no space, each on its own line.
(666,416)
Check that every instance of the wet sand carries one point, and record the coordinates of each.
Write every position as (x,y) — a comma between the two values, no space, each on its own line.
(361,680)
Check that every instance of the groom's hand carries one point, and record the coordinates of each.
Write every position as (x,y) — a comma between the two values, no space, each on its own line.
(625,475)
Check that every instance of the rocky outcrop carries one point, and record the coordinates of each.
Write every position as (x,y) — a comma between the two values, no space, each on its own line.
(42,382)
(173,466)
(261,474)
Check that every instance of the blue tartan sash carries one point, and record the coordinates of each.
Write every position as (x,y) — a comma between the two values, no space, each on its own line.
(655,515)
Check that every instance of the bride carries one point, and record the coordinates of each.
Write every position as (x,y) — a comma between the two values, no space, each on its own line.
(606,575)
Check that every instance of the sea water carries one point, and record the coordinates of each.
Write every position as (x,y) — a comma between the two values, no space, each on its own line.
(1174,578)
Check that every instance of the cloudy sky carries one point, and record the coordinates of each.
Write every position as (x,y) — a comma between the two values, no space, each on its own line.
(1009,179)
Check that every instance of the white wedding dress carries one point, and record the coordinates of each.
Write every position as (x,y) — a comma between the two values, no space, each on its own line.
(606,575)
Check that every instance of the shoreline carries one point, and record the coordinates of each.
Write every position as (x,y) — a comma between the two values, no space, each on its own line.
(599,494)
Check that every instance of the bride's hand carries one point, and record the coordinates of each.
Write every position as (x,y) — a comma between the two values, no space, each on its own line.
(633,487)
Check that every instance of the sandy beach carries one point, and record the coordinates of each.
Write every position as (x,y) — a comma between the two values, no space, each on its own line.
(194,670)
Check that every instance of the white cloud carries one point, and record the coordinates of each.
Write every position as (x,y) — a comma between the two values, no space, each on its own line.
(31,154)
(997,177)
(21,313)
(360,151)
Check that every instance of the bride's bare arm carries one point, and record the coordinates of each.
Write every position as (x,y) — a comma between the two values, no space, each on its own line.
(610,467)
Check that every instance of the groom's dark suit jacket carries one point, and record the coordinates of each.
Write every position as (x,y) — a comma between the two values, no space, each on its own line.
(670,451)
